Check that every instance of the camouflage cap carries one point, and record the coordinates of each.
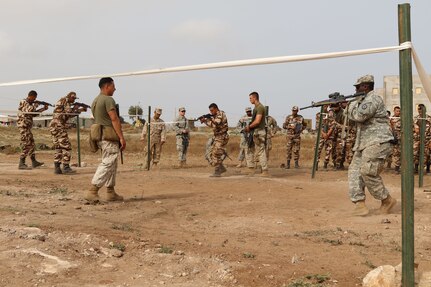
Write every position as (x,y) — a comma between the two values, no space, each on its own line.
(158,111)
(295,108)
(364,79)
(247,109)
(182,109)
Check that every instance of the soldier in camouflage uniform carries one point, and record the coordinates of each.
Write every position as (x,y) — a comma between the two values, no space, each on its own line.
(340,139)
(218,122)
(416,138)
(328,134)
(63,111)
(272,128)
(182,131)
(294,124)
(372,147)
(27,110)
(396,130)
(243,145)
(157,138)
(350,140)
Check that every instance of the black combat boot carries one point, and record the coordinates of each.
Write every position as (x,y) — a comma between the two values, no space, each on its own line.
(428,167)
(67,169)
(22,164)
(288,164)
(217,172)
(296,164)
(57,169)
(416,168)
(222,169)
(397,170)
(325,165)
(34,162)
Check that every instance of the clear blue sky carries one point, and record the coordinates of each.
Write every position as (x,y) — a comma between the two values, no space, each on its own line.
(55,38)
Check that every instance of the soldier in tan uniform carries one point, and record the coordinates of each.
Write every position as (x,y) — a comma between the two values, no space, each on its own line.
(243,144)
(271,130)
(294,124)
(395,122)
(157,137)
(218,122)
(27,111)
(416,138)
(182,131)
(63,111)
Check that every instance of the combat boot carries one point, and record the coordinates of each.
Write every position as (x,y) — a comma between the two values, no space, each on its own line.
(92,194)
(34,162)
(416,168)
(288,164)
(250,171)
(217,172)
(111,195)
(387,204)
(264,173)
(67,169)
(296,164)
(389,165)
(57,169)
(397,169)
(22,164)
(360,208)
(340,166)
(428,168)
(222,169)
(325,165)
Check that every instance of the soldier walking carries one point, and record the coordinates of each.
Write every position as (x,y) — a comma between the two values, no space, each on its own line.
(63,111)
(182,131)
(294,124)
(243,144)
(396,130)
(27,111)
(157,138)
(218,122)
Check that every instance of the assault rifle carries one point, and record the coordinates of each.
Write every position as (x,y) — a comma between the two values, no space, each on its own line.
(206,116)
(82,105)
(334,98)
(43,103)
(117,109)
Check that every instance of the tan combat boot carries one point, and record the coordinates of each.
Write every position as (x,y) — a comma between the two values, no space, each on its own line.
(92,194)
(387,204)
(265,173)
(111,195)
(250,171)
(360,208)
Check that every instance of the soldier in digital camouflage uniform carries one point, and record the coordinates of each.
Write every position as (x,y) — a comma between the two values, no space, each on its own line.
(157,138)
(27,110)
(182,131)
(416,138)
(63,111)
(328,134)
(272,129)
(243,145)
(372,147)
(396,130)
(218,122)
(294,124)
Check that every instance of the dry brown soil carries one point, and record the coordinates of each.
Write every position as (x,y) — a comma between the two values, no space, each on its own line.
(178,227)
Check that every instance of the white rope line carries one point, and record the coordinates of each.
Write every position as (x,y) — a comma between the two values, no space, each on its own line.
(227,64)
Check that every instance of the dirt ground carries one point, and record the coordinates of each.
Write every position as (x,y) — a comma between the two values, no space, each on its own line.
(178,227)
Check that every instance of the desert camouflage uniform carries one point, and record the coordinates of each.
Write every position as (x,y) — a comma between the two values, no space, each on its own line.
(157,136)
(416,138)
(272,128)
(217,147)
(182,132)
(25,123)
(244,151)
(329,125)
(372,147)
(339,141)
(294,126)
(58,128)
(396,148)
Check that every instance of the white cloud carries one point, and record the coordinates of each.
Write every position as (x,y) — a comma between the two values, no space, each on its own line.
(207,30)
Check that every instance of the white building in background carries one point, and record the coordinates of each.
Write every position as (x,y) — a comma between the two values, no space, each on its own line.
(391,93)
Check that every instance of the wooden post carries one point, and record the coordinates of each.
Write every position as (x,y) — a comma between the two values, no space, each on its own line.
(316,149)
(148,139)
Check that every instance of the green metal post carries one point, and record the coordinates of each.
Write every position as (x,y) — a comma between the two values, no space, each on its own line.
(78,139)
(407,178)
(316,149)
(148,139)
(422,145)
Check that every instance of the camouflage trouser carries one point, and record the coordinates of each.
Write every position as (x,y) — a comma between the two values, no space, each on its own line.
(27,142)
(340,152)
(182,146)
(364,171)
(155,150)
(107,169)
(268,147)
(242,147)
(218,149)
(396,154)
(329,150)
(416,149)
(61,144)
(259,149)
(293,144)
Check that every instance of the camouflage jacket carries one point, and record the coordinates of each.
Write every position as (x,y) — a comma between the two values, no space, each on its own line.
(369,113)
(272,126)
(157,130)
(218,123)
(242,123)
(329,125)
(181,124)
(62,112)
(26,120)
(294,125)
(396,127)
(417,124)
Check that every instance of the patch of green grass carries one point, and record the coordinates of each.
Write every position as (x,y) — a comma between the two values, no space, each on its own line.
(356,243)
(59,190)
(369,264)
(166,250)
(122,227)
(248,255)
(310,280)
(32,224)
(118,245)
(334,242)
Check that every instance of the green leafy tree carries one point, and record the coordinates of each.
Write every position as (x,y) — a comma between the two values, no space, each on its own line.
(135,110)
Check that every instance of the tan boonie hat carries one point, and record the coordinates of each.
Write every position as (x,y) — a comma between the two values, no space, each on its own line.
(365,79)
(247,109)
(158,111)
(295,108)
(182,109)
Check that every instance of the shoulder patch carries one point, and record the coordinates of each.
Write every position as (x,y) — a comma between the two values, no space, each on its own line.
(364,106)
